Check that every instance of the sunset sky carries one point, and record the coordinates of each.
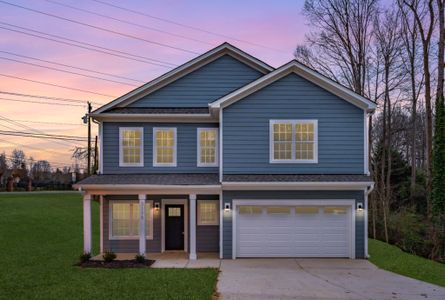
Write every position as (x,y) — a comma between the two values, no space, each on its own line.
(269,30)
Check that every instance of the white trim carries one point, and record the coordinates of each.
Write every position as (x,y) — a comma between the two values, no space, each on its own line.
(186,213)
(293,202)
(192,200)
(185,69)
(198,215)
(148,236)
(198,147)
(303,71)
(221,145)
(175,147)
(142,239)
(101,149)
(121,148)
(87,239)
(306,185)
(294,160)
(366,222)
(366,143)
(221,220)
(101,223)
(158,118)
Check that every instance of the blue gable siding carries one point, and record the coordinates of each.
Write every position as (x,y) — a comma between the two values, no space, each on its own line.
(186,149)
(229,196)
(246,129)
(202,86)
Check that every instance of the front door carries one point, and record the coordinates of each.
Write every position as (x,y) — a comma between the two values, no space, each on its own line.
(174,227)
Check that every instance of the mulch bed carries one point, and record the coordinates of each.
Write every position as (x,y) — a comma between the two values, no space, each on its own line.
(116,264)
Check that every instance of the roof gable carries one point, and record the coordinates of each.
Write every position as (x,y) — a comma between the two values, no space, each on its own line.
(306,73)
(183,70)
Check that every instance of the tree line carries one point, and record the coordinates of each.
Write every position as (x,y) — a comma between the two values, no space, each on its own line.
(393,54)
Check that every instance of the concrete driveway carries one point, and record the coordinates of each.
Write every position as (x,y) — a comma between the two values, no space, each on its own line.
(317,279)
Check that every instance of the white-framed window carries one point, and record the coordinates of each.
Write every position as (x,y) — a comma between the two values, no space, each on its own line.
(293,141)
(164,147)
(131,146)
(207,145)
(208,212)
(124,219)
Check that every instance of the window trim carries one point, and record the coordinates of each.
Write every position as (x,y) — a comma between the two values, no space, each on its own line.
(121,148)
(198,148)
(272,160)
(155,151)
(198,214)
(148,236)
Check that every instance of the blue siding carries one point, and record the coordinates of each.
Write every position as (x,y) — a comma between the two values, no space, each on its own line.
(228,196)
(246,129)
(202,86)
(186,149)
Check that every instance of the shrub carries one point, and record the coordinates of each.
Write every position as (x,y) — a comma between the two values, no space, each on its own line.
(139,258)
(109,256)
(84,257)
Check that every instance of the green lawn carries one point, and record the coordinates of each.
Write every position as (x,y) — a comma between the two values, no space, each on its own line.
(41,239)
(393,259)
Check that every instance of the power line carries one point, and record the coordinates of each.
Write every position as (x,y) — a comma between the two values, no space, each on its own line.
(65,71)
(50,98)
(32,147)
(99,28)
(52,163)
(41,102)
(130,56)
(56,85)
(185,25)
(48,123)
(129,22)
(43,136)
(70,66)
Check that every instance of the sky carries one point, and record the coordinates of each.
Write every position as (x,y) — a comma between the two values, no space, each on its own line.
(169,31)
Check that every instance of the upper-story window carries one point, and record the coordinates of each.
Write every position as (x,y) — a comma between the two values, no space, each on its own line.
(207,147)
(164,147)
(131,146)
(293,141)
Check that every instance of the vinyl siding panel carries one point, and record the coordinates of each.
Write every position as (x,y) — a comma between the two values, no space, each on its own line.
(186,149)
(246,129)
(202,86)
(229,196)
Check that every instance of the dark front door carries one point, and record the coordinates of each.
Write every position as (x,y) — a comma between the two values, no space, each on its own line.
(174,227)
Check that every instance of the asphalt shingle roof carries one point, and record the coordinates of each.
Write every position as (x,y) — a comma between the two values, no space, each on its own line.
(152,179)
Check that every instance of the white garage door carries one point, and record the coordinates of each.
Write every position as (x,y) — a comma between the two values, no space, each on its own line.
(293,231)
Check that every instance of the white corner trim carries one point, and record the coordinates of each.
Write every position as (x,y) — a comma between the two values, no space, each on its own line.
(121,148)
(221,219)
(221,166)
(294,160)
(101,224)
(163,213)
(366,143)
(101,148)
(365,211)
(175,147)
(199,163)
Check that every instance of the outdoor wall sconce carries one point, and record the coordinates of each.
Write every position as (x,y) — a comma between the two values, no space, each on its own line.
(227,206)
(156,205)
(359,206)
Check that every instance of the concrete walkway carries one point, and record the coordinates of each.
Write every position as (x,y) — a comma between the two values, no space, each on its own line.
(317,279)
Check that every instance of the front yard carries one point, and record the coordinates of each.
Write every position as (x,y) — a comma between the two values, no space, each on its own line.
(41,239)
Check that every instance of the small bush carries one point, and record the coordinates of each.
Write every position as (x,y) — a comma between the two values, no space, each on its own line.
(84,257)
(139,258)
(109,256)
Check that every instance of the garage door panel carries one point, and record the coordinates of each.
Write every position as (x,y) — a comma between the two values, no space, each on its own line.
(306,232)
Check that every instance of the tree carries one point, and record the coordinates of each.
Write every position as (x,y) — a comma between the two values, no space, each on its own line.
(18,160)
(438,191)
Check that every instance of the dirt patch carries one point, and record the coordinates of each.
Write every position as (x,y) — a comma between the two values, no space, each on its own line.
(116,264)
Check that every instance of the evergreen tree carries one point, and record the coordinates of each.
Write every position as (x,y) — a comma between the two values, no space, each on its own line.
(438,188)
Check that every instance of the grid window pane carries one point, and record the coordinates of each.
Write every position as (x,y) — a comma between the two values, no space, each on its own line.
(304,141)
(207,146)
(282,135)
(131,141)
(208,212)
(125,219)
(165,146)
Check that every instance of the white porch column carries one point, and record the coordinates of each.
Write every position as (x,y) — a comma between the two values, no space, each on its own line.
(192,254)
(87,223)
(142,241)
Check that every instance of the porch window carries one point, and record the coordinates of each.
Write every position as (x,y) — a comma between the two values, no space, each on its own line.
(131,147)
(164,147)
(293,141)
(208,212)
(207,147)
(124,219)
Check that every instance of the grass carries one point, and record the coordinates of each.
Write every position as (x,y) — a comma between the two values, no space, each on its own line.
(41,239)
(391,258)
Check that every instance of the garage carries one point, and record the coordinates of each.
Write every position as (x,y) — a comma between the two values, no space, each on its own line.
(297,229)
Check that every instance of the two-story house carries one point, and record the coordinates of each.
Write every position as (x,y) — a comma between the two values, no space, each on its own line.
(226,154)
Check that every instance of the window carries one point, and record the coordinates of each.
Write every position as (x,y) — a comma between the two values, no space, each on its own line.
(335,210)
(164,147)
(208,212)
(250,210)
(293,141)
(207,147)
(306,210)
(174,212)
(124,219)
(278,210)
(131,147)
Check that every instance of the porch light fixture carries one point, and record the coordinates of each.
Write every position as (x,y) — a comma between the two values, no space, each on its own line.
(360,206)
(156,205)
(227,206)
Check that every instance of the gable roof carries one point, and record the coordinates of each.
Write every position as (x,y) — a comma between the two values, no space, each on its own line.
(181,71)
(307,73)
